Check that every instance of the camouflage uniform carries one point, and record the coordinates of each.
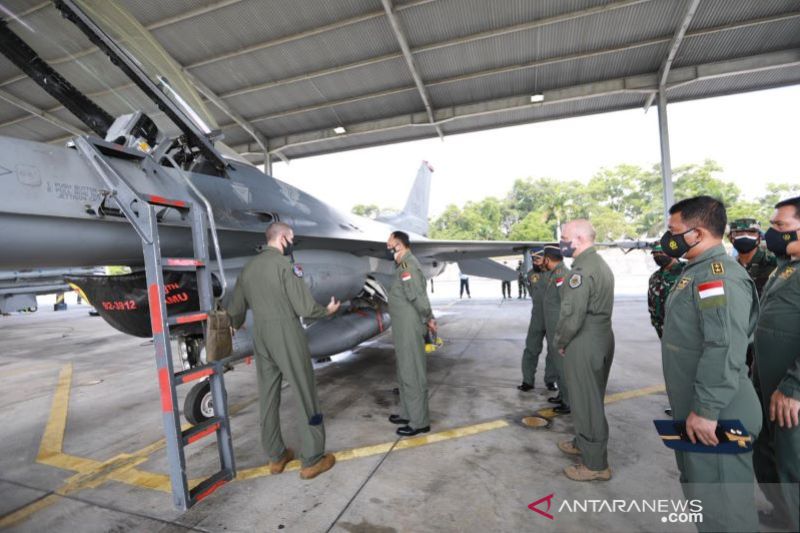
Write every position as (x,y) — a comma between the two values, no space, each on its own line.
(661,282)
(760,267)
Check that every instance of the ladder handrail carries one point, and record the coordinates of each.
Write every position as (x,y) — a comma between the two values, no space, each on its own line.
(211,223)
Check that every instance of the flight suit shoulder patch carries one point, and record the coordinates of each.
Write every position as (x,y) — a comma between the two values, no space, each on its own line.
(298,270)
(712,294)
(786,274)
(559,281)
(683,283)
(575,281)
(534,278)
(717,269)
(405,275)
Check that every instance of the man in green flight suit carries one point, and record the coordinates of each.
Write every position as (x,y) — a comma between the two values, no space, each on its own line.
(553,263)
(273,288)
(745,235)
(585,339)
(534,340)
(711,313)
(411,315)
(661,282)
(777,371)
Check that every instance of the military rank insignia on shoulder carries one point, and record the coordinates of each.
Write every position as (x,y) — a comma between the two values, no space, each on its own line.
(298,270)
(405,276)
(712,294)
(535,278)
(683,283)
(575,281)
(717,269)
(403,265)
(786,274)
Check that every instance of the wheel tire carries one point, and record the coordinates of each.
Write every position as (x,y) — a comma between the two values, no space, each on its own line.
(198,405)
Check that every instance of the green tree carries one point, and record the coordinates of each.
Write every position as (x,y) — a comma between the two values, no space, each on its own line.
(534,227)
(364,210)
(482,220)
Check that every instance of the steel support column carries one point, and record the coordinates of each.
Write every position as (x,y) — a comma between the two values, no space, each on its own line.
(666,163)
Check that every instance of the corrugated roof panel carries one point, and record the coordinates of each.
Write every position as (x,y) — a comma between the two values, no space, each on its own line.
(535,80)
(363,80)
(741,42)
(35,130)
(720,12)
(340,47)
(153,11)
(251,22)
(338,144)
(734,84)
(50,34)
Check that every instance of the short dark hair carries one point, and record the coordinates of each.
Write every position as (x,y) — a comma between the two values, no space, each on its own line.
(703,211)
(791,202)
(402,236)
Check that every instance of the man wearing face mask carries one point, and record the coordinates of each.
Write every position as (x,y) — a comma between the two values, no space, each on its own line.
(585,339)
(553,263)
(534,341)
(711,313)
(745,235)
(271,285)
(777,371)
(411,318)
(661,282)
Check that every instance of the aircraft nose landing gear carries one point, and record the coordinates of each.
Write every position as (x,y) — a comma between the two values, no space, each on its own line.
(199,404)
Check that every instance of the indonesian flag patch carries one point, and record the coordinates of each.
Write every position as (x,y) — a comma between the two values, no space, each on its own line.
(405,276)
(559,282)
(712,294)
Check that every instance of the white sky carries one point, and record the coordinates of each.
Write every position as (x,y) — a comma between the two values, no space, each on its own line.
(754,136)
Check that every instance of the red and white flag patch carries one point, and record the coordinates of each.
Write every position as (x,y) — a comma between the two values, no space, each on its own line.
(405,276)
(711,289)
(559,282)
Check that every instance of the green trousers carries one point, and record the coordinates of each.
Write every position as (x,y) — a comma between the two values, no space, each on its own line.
(412,373)
(534,341)
(586,366)
(555,361)
(282,352)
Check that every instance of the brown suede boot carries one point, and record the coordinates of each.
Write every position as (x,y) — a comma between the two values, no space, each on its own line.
(280,465)
(568,447)
(323,465)
(582,473)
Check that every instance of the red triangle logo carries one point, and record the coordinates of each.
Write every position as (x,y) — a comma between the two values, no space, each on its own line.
(546,513)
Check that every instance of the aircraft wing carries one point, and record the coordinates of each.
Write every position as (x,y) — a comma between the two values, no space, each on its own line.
(450,251)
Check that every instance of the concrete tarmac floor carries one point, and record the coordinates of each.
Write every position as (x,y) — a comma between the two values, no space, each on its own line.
(81,426)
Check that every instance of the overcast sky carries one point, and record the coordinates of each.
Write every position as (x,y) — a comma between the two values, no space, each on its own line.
(754,137)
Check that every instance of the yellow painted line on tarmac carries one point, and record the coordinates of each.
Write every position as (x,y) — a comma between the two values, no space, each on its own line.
(635,393)
(379,449)
(53,438)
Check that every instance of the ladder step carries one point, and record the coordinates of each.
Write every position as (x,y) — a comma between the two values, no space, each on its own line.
(208,486)
(187,318)
(199,431)
(181,263)
(160,200)
(193,374)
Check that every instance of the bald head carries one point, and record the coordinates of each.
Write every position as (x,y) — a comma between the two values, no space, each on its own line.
(278,234)
(580,233)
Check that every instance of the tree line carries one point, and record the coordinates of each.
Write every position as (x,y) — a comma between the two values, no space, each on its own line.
(624,202)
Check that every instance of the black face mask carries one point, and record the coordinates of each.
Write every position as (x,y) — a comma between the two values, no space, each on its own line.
(675,245)
(390,254)
(777,241)
(537,268)
(567,250)
(745,245)
(288,248)
(662,260)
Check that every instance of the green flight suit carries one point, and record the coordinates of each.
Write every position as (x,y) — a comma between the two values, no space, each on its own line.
(534,340)
(584,331)
(711,313)
(410,310)
(777,366)
(556,285)
(273,289)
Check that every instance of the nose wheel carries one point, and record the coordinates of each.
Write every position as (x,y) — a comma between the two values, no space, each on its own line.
(199,404)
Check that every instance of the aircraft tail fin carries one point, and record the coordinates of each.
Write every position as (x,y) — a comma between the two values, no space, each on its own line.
(414,216)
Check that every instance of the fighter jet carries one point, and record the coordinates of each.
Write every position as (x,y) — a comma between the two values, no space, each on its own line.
(57,210)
